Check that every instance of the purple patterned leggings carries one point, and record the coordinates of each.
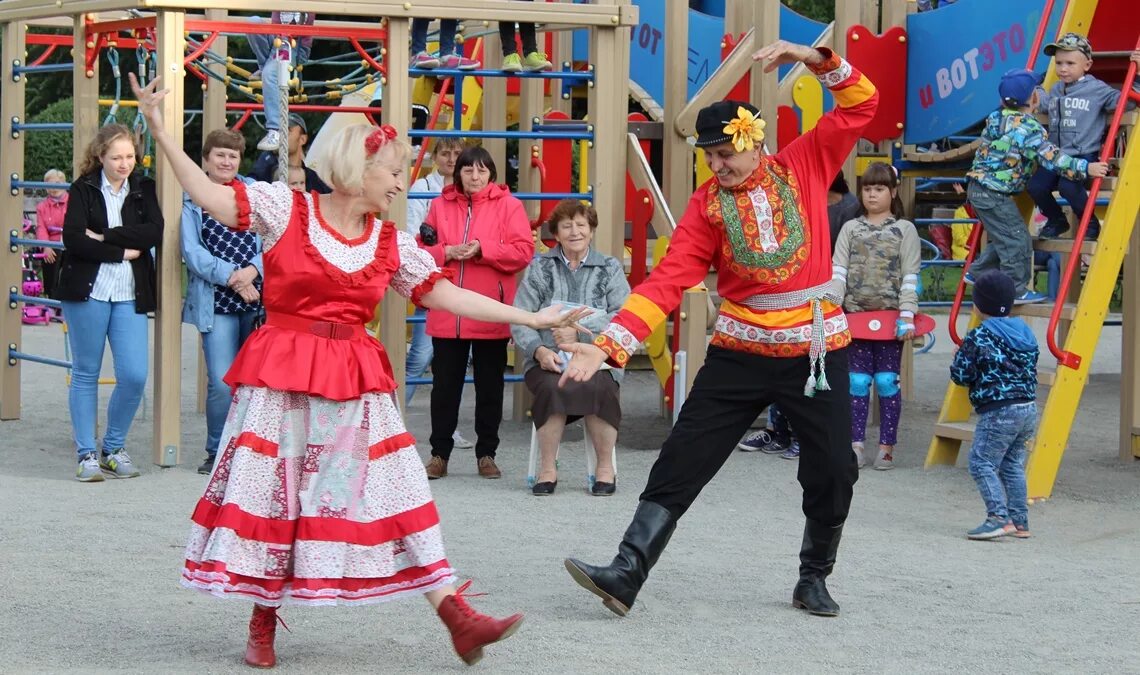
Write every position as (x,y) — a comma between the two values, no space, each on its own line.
(875,363)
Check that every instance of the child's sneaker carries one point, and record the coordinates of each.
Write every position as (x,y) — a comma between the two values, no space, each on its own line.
(512,63)
(88,470)
(885,461)
(754,441)
(860,459)
(1030,297)
(457,62)
(1021,531)
(1053,230)
(118,464)
(536,62)
(270,141)
(793,451)
(991,528)
(424,60)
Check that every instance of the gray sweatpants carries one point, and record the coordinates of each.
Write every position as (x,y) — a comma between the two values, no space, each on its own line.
(1010,248)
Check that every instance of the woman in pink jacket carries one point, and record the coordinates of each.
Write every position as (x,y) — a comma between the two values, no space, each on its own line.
(49,225)
(480,234)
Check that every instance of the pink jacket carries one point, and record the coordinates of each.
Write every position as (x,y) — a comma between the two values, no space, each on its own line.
(49,218)
(500,224)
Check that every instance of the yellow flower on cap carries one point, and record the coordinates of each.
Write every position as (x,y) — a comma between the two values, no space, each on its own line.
(746,129)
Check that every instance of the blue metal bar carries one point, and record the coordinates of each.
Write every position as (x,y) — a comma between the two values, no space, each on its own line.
(479,133)
(46,360)
(525,196)
(21,241)
(417,318)
(45,68)
(466,380)
(43,126)
(565,75)
(34,300)
(582,126)
(1101,201)
(37,185)
(929,344)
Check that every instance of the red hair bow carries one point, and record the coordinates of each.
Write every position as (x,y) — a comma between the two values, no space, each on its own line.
(377,139)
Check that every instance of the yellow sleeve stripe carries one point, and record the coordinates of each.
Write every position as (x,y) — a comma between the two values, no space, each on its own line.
(848,97)
(645,309)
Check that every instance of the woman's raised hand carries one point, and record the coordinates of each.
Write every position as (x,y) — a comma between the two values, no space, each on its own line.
(150,100)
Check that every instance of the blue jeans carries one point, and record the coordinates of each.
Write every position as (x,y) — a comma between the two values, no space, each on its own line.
(447,28)
(419,355)
(1010,247)
(1052,263)
(997,460)
(90,325)
(220,346)
(262,46)
(1041,187)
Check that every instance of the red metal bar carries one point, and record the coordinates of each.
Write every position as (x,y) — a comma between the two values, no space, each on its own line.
(292,30)
(367,57)
(192,56)
(1066,358)
(93,53)
(242,120)
(1046,14)
(50,39)
(307,107)
(537,164)
(145,22)
(960,293)
(43,57)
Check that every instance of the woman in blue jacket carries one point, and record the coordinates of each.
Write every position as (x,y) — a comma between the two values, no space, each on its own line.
(223,290)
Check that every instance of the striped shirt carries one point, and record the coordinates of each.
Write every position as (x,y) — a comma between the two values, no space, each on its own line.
(115,281)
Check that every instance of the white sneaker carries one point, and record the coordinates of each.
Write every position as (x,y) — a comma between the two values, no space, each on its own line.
(860,460)
(461,442)
(885,461)
(271,141)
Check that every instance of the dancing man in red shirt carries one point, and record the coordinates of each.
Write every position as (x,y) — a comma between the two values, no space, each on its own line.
(780,334)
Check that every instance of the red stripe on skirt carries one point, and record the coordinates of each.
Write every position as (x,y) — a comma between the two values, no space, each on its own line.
(361,588)
(308,528)
(248,439)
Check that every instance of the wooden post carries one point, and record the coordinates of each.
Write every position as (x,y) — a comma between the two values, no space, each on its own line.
(398,113)
(169,51)
(847,14)
(1130,359)
(677,165)
(609,54)
(765,87)
(213,117)
(563,53)
(495,109)
(85,95)
(11,203)
(694,321)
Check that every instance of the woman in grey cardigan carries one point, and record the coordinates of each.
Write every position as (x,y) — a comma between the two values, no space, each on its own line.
(571,274)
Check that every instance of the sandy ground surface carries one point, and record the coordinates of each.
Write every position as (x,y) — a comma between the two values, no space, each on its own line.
(89,571)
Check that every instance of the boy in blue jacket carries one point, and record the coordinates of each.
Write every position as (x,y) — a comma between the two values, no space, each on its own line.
(1079,107)
(998,363)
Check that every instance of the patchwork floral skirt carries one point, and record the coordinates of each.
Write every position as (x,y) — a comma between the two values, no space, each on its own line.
(315,501)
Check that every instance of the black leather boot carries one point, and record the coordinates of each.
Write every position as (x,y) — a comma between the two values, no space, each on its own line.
(817,558)
(618,583)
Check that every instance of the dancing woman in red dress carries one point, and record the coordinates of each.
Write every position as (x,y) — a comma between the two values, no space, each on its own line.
(318,495)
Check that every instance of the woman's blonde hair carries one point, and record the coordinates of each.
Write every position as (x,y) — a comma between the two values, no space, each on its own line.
(108,134)
(348,159)
(56,174)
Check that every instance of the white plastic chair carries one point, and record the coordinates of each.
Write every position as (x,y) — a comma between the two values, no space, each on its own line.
(587,446)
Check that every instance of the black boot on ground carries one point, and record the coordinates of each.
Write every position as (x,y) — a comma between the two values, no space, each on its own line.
(618,583)
(817,558)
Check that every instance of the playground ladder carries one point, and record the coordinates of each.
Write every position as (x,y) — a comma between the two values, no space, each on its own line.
(1084,319)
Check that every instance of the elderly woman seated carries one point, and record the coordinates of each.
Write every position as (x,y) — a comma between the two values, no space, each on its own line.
(571,274)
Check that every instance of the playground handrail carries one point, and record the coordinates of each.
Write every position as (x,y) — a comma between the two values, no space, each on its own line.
(1066,358)
(723,79)
(976,232)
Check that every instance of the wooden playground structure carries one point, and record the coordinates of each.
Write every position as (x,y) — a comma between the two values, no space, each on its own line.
(618,169)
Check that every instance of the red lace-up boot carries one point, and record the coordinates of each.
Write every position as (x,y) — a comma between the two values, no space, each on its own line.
(472,631)
(262,629)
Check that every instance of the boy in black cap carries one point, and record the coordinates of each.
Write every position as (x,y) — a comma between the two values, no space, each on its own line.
(1013,145)
(998,362)
(1078,106)
(265,168)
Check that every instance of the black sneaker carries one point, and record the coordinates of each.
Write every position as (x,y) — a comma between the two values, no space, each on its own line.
(1052,230)
(207,466)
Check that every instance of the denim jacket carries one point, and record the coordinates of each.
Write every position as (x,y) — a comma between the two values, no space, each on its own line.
(203,270)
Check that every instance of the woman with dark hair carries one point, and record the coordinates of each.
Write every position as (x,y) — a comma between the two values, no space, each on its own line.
(481,235)
(107,285)
(571,273)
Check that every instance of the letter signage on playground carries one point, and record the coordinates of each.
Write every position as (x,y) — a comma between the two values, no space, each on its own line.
(957,56)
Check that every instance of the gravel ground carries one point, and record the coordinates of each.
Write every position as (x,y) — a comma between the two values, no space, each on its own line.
(91,570)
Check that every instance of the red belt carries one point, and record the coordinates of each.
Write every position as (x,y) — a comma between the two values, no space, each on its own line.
(325,329)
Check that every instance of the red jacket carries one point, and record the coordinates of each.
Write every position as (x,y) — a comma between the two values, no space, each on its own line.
(500,224)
